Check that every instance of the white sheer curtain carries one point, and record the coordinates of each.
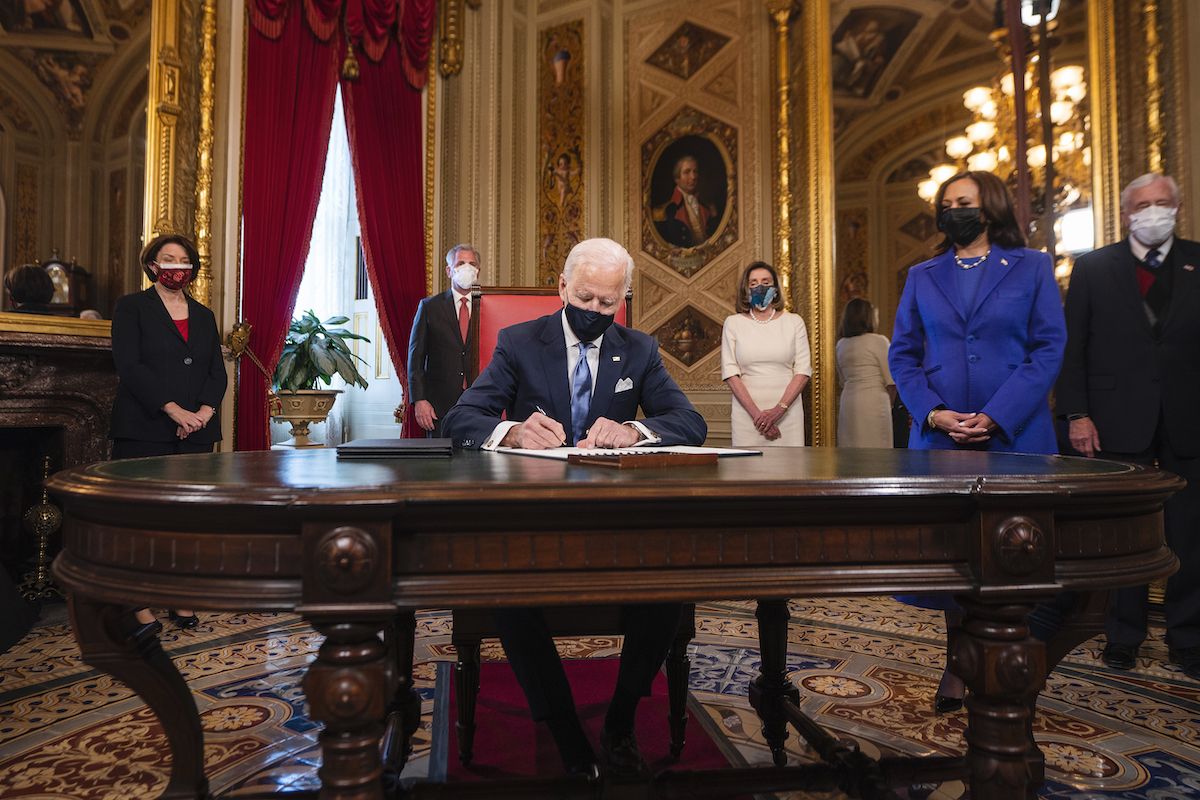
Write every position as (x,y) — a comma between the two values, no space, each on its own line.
(327,287)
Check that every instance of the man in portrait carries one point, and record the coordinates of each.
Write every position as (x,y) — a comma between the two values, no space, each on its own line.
(685,220)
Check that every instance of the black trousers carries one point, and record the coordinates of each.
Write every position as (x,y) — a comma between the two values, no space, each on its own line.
(649,631)
(135,448)
(1127,608)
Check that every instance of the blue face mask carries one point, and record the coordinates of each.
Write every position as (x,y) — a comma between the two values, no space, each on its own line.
(762,296)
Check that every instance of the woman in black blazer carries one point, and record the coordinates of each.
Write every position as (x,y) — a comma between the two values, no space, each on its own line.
(172,378)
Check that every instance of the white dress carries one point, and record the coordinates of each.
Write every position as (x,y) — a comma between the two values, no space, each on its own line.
(865,411)
(767,357)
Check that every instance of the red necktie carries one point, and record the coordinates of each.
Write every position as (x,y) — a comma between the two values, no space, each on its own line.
(464,322)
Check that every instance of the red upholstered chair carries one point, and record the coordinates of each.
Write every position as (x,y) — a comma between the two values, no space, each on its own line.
(493,308)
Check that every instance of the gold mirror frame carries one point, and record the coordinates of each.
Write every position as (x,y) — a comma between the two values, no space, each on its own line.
(803,166)
(165,119)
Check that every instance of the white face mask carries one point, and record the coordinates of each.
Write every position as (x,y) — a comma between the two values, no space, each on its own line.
(465,276)
(1151,226)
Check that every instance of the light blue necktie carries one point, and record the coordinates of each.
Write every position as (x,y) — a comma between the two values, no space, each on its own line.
(581,393)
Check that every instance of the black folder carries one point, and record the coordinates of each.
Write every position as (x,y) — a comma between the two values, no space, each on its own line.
(395,448)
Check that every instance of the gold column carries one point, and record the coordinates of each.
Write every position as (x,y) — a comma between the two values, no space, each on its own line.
(163,117)
(781,14)
(813,164)
(1102,89)
(1154,130)
(451,44)
(202,288)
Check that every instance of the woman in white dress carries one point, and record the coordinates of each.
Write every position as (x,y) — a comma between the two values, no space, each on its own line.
(765,360)
(868,391)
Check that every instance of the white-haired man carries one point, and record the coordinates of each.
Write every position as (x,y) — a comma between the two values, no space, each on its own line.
(1130,386)
(575,377)
(438,348)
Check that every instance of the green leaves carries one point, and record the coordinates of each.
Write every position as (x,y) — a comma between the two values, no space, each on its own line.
(313,352)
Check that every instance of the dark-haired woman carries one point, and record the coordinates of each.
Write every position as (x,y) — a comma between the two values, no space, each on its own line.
(172,378)
(30,289)
(978,343)
(868,392)
(766,362)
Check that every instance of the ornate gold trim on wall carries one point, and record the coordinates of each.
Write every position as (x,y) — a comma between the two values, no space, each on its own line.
(172,45)
(812,164)
(781,12)
(1102,88)
(431,258)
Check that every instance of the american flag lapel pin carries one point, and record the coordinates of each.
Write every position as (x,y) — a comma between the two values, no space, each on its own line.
(1189,267)
(616,358)
(1004,262)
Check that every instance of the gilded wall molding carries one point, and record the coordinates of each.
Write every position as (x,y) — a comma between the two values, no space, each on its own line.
(202,288)
(781,12)
(812,164)
(1102,89)
(431,257)
(179,127)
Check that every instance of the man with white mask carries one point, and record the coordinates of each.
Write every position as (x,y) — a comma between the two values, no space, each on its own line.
(439,347)
(1130,386)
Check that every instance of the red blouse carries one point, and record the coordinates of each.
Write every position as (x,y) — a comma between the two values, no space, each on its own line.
(182,324)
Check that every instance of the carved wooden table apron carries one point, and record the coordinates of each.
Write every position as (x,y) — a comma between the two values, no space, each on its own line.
(356,546)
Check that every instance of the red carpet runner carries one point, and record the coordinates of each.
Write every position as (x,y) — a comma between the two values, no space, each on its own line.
(509,744)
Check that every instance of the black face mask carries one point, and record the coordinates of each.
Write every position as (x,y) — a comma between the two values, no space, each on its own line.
(588,325)
(962,225)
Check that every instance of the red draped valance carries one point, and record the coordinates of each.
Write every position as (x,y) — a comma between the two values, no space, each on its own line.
(368,25)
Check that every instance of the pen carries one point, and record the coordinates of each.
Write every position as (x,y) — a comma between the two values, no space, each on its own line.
(542,411)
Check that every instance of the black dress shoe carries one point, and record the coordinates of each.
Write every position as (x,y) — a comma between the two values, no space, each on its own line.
(145,630)
(1188,658)
(621,755)
(1120,656)
(588,770)
(186,622)
(944,704)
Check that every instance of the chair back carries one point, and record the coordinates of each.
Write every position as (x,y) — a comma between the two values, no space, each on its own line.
(496,307)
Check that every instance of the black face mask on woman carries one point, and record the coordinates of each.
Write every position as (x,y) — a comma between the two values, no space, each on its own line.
(961,225)
(588,325)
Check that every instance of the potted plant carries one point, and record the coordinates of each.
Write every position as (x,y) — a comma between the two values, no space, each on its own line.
(312,351)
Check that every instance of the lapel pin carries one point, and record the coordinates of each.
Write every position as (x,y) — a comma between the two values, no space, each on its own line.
(1004,262)
(1189,267)
(616,358)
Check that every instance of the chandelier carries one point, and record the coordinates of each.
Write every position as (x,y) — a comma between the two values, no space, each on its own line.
(987,144)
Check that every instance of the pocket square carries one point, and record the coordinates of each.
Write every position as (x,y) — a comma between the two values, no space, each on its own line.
(623,385)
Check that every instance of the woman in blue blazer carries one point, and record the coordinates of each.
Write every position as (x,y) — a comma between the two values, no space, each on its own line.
(978,343)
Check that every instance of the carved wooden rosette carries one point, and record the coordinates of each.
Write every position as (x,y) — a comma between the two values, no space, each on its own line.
(346,596)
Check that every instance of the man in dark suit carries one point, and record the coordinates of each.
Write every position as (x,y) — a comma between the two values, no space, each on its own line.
(1130,386)
(541,379)
(438,347)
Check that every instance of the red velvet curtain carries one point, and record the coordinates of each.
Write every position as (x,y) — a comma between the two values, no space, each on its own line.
(383,121)
(290,85)
(293,65)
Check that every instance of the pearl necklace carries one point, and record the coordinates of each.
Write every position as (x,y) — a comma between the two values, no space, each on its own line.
(978,260)
(762,321)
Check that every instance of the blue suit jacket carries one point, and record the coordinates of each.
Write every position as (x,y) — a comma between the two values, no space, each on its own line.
(529,369)
(999,357)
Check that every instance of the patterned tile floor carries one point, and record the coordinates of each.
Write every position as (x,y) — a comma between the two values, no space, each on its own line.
(866,668)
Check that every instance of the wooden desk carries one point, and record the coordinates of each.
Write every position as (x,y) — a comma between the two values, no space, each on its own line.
(355,546)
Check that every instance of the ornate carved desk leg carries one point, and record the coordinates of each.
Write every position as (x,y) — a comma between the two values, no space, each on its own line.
(1005,668)
(772,686)
(144,666)
(346,689)
(347,597)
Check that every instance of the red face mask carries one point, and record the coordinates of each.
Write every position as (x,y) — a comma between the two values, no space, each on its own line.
(174,276)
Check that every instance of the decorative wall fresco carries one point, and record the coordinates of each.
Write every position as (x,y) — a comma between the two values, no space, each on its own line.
(689,191)
(686,50)
(864,45)
(851,231)
(561,135)
(689,335)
